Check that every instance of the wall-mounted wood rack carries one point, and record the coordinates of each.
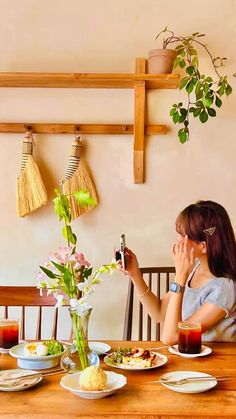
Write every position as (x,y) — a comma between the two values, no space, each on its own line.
(139,81)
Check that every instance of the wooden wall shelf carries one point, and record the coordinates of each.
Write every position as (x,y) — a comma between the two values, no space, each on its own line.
(88,80)
(139,81)
(44,128)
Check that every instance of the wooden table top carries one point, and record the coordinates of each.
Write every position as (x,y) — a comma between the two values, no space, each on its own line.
(138,399)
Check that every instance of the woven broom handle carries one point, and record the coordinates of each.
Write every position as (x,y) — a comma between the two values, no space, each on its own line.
(27,149)
(76,149)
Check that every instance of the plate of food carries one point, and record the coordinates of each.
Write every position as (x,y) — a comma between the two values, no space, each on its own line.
(38,355)
(135,359)
(205,351)
(93,383)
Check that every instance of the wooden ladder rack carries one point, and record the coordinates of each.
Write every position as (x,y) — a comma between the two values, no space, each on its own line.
(139,81)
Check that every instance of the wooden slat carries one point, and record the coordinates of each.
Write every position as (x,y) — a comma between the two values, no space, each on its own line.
(39,324)
(139,123)
(54,128)
(54,327)
(6,312)
(22,332)
(88,80)
(149,322)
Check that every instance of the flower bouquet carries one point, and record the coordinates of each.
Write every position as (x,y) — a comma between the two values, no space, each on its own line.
(70,277)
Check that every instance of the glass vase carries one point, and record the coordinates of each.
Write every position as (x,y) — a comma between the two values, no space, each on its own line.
(79,356)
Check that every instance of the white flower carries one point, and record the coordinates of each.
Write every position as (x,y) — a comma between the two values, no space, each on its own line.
(60,300)
(80,306)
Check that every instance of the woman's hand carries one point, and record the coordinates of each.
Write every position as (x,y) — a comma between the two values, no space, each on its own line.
(184,260)
(131,264)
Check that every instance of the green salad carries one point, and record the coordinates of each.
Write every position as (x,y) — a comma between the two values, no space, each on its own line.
(54,347)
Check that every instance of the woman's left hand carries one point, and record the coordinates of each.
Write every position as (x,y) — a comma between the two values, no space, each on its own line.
(184,260)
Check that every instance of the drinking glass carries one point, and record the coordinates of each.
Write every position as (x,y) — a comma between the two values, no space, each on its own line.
(189,337)
(9,334)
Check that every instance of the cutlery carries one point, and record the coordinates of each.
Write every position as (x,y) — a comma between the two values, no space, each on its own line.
(192,380)
(13,381)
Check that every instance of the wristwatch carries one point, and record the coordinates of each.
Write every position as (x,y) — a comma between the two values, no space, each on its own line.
(177,288)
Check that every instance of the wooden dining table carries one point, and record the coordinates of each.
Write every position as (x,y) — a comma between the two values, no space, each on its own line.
(140,398)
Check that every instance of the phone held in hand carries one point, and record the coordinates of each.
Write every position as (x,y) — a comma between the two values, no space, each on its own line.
(120,254)
(122,250)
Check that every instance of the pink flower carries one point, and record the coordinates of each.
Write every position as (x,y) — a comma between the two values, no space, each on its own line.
(79,259)
(62,255)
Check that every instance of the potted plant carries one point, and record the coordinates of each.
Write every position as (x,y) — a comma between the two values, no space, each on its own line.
(204,94)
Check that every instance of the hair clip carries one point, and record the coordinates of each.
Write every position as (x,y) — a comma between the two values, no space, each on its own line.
(209,231)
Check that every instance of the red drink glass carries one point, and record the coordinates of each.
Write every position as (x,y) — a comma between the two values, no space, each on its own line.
(9,334)
(189,338)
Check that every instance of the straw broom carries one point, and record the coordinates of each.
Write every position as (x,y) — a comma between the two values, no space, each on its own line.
(31,192)
(78,177)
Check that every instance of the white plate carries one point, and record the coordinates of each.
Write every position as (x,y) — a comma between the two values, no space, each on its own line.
(194,387)
(114,383)
(99,348)
(35,362)
(205,351)
(157,362)
(19,373)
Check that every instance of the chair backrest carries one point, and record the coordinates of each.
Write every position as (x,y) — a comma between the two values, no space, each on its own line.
(158,279)
(28,297)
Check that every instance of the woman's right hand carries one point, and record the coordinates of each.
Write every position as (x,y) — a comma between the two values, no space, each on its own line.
(131,264)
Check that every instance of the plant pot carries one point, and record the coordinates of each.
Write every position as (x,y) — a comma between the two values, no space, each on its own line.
(160,61)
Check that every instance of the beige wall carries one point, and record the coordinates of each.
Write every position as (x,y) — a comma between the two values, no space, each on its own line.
(107,36)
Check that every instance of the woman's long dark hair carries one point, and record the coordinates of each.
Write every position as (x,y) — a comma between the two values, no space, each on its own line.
(221,244)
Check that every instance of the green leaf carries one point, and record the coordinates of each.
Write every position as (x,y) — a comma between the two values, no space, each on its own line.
(209,79)
(206,88)
(195,33)
(176,61)
(183,111)
(190,87)
(69,235)
(175,117)
(211,111)
(195,61)
(84,198)
(203,117)
(87,272)
(58,266)
(182,118)
(221,91)
(49,273)
(182,64)
(197,112)
(62,207)
(218,102)
(207,101)
(228,90)
(172,111)
(199,95)
(190,70)
(192,109)
(193,51)
(183,135)
(199,103)
(183,83)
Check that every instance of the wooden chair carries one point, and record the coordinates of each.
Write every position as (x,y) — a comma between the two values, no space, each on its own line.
(28,297)
(158,280)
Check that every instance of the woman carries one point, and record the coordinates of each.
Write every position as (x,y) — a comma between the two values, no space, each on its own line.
(204,289)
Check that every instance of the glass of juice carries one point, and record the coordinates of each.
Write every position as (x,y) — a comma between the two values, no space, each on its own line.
(189,338)
(9,334)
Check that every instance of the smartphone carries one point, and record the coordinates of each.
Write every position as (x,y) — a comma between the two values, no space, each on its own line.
(122,250)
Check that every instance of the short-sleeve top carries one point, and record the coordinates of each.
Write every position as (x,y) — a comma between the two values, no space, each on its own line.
(218,291)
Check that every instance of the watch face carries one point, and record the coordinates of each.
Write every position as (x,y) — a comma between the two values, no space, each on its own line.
(174,287)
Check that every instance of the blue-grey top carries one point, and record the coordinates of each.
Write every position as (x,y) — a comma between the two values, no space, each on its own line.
(218,291)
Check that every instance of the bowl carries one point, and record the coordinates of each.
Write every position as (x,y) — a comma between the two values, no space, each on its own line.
(114,382)
(34,362)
